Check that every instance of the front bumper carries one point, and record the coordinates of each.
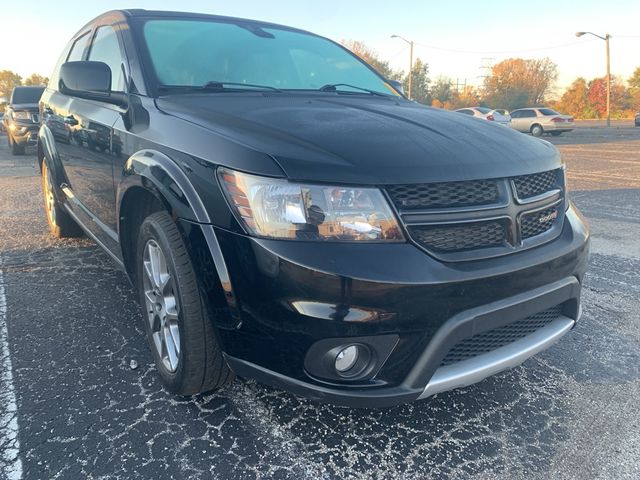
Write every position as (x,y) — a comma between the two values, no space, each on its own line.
(24,133)
(398,291)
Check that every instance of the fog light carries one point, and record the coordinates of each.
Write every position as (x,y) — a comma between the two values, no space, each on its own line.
(347,358)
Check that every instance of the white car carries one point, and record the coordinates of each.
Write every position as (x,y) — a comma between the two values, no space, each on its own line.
(486,114)
(541,120)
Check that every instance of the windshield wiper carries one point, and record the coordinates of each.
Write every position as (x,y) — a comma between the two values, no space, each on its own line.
(333,87)
(215,85)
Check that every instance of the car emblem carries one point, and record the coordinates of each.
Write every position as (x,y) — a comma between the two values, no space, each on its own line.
(549,217)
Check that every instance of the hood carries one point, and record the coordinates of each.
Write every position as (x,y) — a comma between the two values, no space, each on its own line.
(365,140)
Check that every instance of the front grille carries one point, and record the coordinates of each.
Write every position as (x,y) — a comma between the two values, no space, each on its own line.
(536,223)
(490,340)
(499,214)
(444,195)
(528,186)
(459,237)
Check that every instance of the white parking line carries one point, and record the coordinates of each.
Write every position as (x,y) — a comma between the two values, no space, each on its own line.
(10,463)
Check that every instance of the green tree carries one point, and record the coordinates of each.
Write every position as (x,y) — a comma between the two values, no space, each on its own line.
(371,57)
(634,89)
(36,79)
(518,82)
(634,81)
(8,80)
(441,90)
(419,82)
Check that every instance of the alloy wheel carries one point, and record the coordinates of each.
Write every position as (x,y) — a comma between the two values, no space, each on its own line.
(50,202)
(162,306)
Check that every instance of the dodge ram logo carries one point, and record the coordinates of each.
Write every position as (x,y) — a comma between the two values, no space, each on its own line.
(548,217)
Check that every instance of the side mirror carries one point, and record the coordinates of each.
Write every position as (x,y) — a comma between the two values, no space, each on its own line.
(90,80)
(397,85)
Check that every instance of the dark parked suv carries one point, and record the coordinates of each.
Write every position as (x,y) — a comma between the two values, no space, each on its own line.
(287,215)
(21,119)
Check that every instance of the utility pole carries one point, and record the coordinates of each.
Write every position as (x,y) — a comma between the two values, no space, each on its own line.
(606,41)
(410,43)
(411,66)
(607,37)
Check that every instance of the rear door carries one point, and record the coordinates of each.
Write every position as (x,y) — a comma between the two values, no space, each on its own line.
(521,119)
(87,157)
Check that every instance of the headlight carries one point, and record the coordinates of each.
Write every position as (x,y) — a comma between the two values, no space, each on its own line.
(276,208)
(21,115)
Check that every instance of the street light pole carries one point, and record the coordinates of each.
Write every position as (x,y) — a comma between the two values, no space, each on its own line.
(607,37)
(410,63)
(606,40)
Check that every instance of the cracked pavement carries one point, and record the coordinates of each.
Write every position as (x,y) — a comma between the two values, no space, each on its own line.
(72,327)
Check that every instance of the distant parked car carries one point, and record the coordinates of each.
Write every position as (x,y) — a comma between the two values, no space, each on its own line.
(637,121)
(541,120)
(502,111)
(22,119)
(487,114)
(1,121)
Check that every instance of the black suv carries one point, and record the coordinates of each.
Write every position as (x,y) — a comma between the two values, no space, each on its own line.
(288,215)
(21,119)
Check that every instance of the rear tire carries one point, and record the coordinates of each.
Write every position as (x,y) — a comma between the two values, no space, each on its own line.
(179,328)
(60,222)
(537,130)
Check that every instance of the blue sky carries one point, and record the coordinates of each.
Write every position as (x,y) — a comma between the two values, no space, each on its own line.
(454,37)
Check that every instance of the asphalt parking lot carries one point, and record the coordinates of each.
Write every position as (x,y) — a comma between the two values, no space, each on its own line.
(72,407)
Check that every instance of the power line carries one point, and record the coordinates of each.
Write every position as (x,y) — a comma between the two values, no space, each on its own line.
(501,52)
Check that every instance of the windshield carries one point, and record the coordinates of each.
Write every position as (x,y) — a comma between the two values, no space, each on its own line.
(548,111)
(194,52)
(26,95)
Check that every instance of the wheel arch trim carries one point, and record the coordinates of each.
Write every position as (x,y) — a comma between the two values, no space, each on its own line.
(160,175)
(46,152)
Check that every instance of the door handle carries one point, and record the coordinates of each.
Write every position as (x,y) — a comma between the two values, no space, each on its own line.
(70,120)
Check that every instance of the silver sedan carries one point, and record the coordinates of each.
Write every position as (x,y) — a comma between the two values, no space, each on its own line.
(541,120)
(486,114)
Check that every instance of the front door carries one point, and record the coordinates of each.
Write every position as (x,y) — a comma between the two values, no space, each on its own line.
(88,155)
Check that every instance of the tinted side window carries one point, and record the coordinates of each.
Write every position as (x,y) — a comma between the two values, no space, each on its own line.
(77,50)
(105,48)
(466,112)
(73,51)
(528,113)
(516,114)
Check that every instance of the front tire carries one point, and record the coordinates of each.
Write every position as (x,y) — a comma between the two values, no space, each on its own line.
(14,147)
(60,222)
(537,131)
(178,326)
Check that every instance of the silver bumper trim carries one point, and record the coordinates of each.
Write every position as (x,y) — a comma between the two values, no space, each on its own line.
(470,371)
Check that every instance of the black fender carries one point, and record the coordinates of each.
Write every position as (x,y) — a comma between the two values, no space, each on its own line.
(161,176)
(46,152)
